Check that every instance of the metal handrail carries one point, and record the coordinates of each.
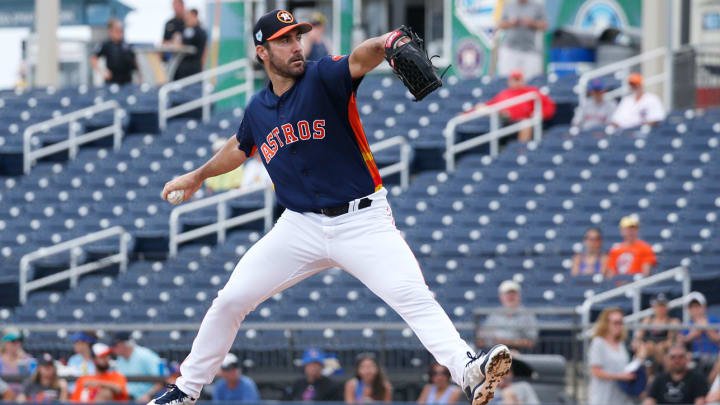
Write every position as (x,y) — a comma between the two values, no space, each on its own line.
(75,270)
(580,88)
(492,137)
(74,140)
(403,166)
(166,112)
(223,222)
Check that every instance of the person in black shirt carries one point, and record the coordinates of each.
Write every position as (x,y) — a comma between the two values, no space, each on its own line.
(678,385)
(313,386)
(193,35)
(175,26)
(119,56)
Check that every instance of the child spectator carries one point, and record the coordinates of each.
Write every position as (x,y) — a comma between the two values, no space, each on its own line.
(632,255)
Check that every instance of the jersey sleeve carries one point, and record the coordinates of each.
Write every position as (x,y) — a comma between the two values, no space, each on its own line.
(245,138)
(334,72)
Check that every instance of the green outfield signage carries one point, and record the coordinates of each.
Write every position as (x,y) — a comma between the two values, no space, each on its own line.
(474,37)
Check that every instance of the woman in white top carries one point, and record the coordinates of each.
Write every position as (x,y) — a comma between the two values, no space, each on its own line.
(607,359)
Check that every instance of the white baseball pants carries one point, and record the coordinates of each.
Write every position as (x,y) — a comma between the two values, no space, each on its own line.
(365,243)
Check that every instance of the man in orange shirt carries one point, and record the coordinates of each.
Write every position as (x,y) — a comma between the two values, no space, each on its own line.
(632,256)
(106,385)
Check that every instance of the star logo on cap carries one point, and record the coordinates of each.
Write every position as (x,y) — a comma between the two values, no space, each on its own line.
(285,17)
(258,36)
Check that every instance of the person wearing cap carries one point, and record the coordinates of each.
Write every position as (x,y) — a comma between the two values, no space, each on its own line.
(44,385)
(632,255)
(316,43)
(703,343)
(678,384)
(13,359)
(658,339)
(135,360)
(511,325)
(597,110)
(314,386)
(81,363)
(522,111)
(521,21)
(306,127)
(639,107)
(234,386)
(105,385)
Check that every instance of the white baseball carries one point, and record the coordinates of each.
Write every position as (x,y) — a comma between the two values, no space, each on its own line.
(176,197)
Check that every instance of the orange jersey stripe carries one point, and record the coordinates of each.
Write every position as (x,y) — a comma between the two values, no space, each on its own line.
(357,128)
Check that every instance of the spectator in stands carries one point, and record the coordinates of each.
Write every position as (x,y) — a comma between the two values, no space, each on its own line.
(592,260)
(703,343)
(81,363)
(441,389)
(13,359)
(521,20)
(193,35)
(316,43)
(234,386)
(639,107)
(314,386)
(656,342)
(632,255)
(175,26)
(119,56)
(106,385)
(596,111)
(369,383)
(522,111)
(679,384)
(513,392)
(44,385)
(135,360)
(607,358)
(512,325)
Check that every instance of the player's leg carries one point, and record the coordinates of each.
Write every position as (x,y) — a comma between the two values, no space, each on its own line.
(290,252)
(373,250)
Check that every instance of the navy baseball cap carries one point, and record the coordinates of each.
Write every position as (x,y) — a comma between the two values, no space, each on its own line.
(275,24)
(596,85)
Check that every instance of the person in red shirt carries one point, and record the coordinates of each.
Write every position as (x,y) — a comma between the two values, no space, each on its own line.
(632,256)
(104,386)
(519,112)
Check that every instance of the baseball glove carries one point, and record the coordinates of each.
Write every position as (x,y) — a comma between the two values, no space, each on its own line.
(411,64)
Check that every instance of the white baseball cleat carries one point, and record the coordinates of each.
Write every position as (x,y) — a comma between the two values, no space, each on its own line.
(173,396)
(483,373)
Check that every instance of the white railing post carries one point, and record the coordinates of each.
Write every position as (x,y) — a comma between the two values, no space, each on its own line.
(496,133)
(118,115)
(403,166)
(269,209)
(74,140)
(75,270)
(222,216)
(585,78)
(538,117)
(207,98)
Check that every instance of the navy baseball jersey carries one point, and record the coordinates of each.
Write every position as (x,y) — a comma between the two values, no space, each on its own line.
(311,140)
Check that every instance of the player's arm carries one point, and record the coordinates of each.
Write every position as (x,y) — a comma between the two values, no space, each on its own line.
(227,159)
(367,56)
